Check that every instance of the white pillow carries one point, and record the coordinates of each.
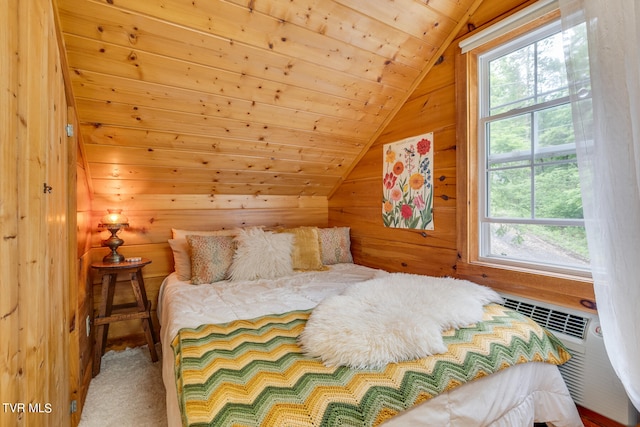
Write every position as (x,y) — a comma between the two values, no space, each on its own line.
(261,255)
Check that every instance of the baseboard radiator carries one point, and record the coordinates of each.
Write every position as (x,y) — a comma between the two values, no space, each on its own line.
(589,375)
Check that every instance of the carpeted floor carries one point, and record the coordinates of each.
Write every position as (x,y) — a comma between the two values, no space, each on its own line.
(127,392)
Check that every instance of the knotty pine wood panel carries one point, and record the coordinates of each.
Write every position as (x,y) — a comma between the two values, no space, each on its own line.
(124,172)
(430,109)
(156,36)
(432,26)
(78,339)
(96,86)
(306,74)
(155,226)
(562,290)
(366,221)
(212,161)
(136,187)
(436,108)
(127,115)
(83,360)
(35,277)
(9,214)
(444,155)
(195,202)
(339,21)
(399,256)
(83,193)
(242,25)
(442,75)
(316,147)
(368,193)
(93,55)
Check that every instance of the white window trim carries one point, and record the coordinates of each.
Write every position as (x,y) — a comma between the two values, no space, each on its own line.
(518,19)
(484,221)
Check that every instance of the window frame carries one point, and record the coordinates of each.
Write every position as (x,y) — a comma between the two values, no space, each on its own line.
(485,118)
(553,286)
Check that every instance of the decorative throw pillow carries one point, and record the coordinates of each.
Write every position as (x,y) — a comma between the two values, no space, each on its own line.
(261,255)
(181,258)
(211,258)
(336,245)
(180,249)
(306,248)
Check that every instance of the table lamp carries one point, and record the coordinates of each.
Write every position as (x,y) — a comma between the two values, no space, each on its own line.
(113,221)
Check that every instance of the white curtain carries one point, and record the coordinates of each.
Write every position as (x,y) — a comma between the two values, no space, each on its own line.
(607,125)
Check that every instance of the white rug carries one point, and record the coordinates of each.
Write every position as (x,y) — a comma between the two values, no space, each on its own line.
(128,391)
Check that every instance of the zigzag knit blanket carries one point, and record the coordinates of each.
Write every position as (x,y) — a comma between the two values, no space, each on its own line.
(253,373)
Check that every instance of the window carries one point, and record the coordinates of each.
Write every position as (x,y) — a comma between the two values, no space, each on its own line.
(529,202)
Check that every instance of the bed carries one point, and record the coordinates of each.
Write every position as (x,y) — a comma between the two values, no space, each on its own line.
(204,325)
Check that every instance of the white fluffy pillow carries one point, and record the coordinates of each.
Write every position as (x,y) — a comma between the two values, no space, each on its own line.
(261,255)
(393,318)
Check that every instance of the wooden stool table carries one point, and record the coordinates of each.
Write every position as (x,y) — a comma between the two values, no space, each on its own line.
(140,309)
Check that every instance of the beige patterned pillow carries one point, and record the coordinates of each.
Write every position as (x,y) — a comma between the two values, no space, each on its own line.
(336,245)
(211,257)
(180,249)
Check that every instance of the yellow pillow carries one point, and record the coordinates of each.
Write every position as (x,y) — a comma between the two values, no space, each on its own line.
(306,253)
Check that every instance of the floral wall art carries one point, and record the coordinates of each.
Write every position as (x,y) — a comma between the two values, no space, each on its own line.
(407,184)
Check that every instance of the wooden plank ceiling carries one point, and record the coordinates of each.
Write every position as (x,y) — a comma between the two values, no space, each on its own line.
(248,97)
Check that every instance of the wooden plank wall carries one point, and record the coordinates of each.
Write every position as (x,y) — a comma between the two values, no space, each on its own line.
(151,218)
(81,298)
(357,202)
(35,280)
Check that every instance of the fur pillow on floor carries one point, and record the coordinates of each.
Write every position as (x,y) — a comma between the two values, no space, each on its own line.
(394,318)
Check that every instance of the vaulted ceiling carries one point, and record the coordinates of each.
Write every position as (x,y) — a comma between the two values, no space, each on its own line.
(243,96)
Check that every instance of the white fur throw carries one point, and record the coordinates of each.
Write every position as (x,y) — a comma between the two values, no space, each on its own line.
(393,318)
(261,255)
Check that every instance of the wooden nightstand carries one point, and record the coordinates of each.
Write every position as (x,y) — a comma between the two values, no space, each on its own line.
(140,309)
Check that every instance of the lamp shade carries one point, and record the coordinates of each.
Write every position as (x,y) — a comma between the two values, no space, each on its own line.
(114,217)
(113,221)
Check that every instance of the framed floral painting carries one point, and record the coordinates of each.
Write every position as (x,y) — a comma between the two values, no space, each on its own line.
(407,183)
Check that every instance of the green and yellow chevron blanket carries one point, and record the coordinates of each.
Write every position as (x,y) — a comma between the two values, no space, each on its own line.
(253,373)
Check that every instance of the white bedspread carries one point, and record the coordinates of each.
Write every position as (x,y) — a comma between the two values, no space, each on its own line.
(527,393)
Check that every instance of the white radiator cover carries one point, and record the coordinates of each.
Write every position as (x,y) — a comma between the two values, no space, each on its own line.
(589,375)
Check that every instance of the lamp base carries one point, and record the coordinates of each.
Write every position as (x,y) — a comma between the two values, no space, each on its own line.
(113,243)
(113,257)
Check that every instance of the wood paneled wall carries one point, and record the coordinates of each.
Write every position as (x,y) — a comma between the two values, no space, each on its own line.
(357,202)
(81,345)
(35,315)
(151,218)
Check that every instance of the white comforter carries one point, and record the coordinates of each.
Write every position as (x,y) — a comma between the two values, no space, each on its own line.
(517,396)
